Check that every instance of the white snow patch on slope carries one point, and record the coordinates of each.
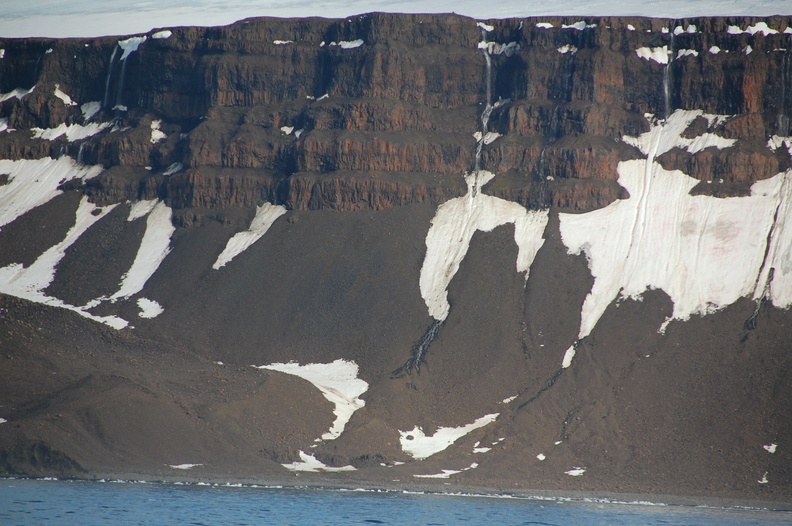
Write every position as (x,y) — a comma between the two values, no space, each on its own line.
(309,463)
(161,35)
(761,27)
(580,26)
(446,473)
(567,48)
(89,109)
(157,135)
(485,27)
(3,124)
(658,54)
(763,480)
(453,227)
(771,448)
(687,53)
(420,446)
(494,48)
(544,25)
(488,138)
(154,246)
(184,466)
(266,214)
(149,308)
(29,282)
(3,420)
(347,44)
(575,472)
(16,93)
(775,142)
(282,42)
(73,132)
(2,53)
(172,169)
(32,183)
(338,383)
(130,45)
(62,96)
(704,252)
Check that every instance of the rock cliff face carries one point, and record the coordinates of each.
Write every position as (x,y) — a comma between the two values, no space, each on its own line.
(383,94)
(636,170)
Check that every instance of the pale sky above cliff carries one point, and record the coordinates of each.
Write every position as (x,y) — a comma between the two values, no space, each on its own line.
(68,18)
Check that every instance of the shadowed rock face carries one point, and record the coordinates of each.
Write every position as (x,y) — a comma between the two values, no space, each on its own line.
(374,116)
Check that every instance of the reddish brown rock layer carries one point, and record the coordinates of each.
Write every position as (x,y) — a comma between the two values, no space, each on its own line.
(405,101)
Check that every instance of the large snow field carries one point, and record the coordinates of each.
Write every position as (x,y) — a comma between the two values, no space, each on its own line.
(704,252)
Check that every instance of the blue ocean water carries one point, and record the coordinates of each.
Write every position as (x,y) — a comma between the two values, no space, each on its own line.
(24,502)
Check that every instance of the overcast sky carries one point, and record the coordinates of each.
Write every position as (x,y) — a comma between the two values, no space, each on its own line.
(64,18)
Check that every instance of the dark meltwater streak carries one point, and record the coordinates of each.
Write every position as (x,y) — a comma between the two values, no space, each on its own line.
(24,502)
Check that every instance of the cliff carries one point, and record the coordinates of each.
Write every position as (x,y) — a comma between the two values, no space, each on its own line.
(579,226)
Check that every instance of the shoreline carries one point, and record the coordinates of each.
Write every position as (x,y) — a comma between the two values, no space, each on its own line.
(308,482)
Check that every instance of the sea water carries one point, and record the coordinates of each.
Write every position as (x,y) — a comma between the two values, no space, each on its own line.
(24,502)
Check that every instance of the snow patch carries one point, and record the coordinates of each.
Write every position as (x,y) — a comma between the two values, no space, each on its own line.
(62,96)
(575,472)
(3,420)
(775,142)
(763,480)
(309,463)
(4,124)
(630,27)
(154,246)
(32,183)
(714,50)
(2,53)
(156,134)
(493,48)
(541,456)
(509,400)
(568,48)
(687,53)
(420,446)
(347,44)
(771,448)
(149,308)
(282,42)
(658,54)
(184,466)
(568,356)
(338,383)
(172,169)
(266,214)
(287,129)
(161,35)
(485,27)
(73,132)
(544,25)
(580,26)
(30,282)
(704,252)
(130,45)
(17,93)
(747,50)
(89,109)
(488,138)
(453,227)
(446,473)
